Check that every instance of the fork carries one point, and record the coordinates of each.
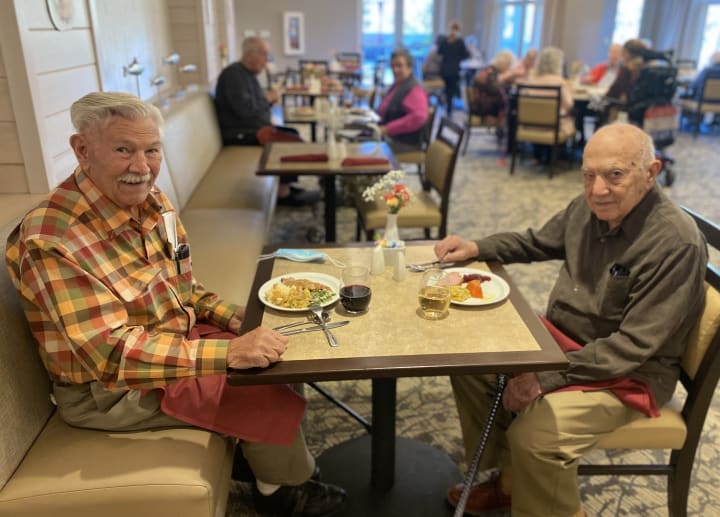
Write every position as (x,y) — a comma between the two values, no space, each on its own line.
(318,312)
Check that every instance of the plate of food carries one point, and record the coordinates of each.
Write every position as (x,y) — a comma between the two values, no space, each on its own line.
(295,292)
(472,287)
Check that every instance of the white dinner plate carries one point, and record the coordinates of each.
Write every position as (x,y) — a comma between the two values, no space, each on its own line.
(494,290)
(330,281)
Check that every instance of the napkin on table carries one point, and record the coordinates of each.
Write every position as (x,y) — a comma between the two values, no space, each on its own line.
(309,157)
(364,160)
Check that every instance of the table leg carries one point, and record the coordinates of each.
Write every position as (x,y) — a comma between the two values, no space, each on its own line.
(329,187)
(382,473)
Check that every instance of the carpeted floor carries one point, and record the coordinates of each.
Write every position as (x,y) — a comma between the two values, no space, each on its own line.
(485,199)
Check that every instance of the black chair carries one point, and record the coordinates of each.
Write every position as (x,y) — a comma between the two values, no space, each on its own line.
(679,428)
(705,100)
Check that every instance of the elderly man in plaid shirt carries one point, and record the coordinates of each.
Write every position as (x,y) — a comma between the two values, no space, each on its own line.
(130,339)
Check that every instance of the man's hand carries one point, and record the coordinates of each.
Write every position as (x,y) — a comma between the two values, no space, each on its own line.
(382,130)
(454,249)
(272,96)
(236,321)
(520,391)
(258,348)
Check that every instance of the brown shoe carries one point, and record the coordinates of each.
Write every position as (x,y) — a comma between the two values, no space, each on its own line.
(484,497)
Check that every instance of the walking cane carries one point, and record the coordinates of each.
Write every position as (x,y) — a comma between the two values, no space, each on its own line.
(472,469)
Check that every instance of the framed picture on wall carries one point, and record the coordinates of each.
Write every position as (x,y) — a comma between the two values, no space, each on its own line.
(62,13)
(293,33)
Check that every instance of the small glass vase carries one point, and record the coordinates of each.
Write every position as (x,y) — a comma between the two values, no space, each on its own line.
(391,228)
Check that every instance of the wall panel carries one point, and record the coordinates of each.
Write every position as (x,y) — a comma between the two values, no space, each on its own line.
(48,50)
(57,130)
(9,144)
(13,178)
(6,112)
(62,88)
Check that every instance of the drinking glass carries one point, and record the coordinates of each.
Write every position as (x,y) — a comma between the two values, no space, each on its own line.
(355,293)
(433,295)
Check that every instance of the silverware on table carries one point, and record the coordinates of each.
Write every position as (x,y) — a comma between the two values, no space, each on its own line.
(310,319)
(317,311)
(419,268)
(327,326)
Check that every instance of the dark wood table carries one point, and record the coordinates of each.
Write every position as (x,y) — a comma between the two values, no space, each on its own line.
(271,165)
(391,341)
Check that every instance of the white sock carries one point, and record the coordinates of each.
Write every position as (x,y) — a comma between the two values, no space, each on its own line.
(266,488)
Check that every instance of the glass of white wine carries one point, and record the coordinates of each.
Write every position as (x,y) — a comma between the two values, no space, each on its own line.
(433,295)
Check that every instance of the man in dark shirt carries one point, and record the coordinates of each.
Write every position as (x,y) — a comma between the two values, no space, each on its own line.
(243,108)
(627,295)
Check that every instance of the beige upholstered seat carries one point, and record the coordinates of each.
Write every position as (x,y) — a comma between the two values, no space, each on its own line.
(424,210)
(706,101)
(418,157)
(487,122)
(539,120)
(680,425)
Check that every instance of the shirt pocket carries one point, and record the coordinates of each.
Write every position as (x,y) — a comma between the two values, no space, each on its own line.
(615,296)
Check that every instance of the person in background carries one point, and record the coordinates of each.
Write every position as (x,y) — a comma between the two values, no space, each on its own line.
(130,338)
(453,51)
(632,62)
(433,61)
(243,112)
(489,90)
(629,290)
(523,69)
(604,74)
(404,109)
(549,73)
(713,69)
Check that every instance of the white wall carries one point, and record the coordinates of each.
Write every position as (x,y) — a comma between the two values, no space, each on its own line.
(329,25)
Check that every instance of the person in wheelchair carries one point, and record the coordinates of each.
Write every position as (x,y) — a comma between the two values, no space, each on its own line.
(648,100)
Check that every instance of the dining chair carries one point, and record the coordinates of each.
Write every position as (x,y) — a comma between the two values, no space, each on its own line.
(318,67)
(539,120)
(417,157)
(426,209)
(487,122)
(706,100)
(679,427)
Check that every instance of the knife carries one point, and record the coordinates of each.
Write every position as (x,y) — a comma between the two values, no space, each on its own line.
(316,327)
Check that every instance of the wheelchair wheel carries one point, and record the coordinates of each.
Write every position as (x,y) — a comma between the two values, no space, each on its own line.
(669,176)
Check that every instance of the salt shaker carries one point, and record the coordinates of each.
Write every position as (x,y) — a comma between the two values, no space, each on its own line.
(378,261)
(400,271)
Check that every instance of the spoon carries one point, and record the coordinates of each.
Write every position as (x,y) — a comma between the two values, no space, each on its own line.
(318,312)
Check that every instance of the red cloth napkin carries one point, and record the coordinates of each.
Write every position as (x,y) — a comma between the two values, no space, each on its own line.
(363,160)
(631,392)
(318,157)
(268,413)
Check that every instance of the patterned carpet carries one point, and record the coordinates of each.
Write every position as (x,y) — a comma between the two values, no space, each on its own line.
(486,199)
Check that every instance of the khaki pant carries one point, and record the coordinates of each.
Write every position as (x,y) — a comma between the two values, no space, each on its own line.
(93,407)
(538,450)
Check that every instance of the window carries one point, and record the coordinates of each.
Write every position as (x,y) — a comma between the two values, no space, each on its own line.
(381,34)
(628,16)
(711,35)
(520,24)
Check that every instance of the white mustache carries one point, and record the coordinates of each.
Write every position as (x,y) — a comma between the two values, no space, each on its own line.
(135,178)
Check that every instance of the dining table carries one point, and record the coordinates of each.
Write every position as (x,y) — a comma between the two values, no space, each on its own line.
(311,158)
(385,474)
(313,116)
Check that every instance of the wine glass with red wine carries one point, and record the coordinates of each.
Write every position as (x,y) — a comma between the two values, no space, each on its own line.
(355,293)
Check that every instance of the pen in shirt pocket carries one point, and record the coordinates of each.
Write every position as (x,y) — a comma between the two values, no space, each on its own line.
(177,251)
(619,271)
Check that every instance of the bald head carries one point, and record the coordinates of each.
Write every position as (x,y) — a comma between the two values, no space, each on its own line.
(619,169)
(254,54)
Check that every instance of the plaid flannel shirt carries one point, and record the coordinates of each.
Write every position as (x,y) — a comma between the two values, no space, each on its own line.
(105,298)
